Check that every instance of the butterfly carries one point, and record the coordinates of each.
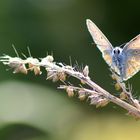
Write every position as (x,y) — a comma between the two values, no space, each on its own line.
(124,61)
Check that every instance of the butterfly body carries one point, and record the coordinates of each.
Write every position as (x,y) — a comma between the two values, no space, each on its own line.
(124,61)
(118,60)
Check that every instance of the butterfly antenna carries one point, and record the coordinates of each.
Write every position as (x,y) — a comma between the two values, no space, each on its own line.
(122,45)
(15,50)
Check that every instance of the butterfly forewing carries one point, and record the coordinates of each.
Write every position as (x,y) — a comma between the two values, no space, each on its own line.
(133,44)
(101,41)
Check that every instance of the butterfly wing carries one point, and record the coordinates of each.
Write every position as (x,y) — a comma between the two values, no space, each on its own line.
(101,41)
(132,61)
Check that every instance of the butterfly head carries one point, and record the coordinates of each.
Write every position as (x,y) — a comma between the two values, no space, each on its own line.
(117,51)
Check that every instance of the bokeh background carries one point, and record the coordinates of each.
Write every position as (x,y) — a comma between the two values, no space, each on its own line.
(32,108)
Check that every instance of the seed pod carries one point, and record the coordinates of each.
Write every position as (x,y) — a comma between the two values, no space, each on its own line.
(20,69)
(94,99)
(83,82)
(50,58)
(62,76)
(117,86)
(55,77)
(82,97)
(50,74)
(82,94)
(46,60)
(123,96)
(34,68)
(33,65)
(70,91)
(37,70)
(102,102)
(113,77)
(86,71)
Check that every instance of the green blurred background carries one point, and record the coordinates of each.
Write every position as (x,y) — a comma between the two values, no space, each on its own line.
(32,108)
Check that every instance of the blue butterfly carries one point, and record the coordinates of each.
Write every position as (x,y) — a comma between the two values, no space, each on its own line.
(124,61)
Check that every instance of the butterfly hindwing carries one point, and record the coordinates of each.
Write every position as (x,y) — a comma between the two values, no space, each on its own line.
(132,67)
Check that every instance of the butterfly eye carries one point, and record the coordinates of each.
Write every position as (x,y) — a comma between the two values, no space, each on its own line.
(114,51)
(118,51)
